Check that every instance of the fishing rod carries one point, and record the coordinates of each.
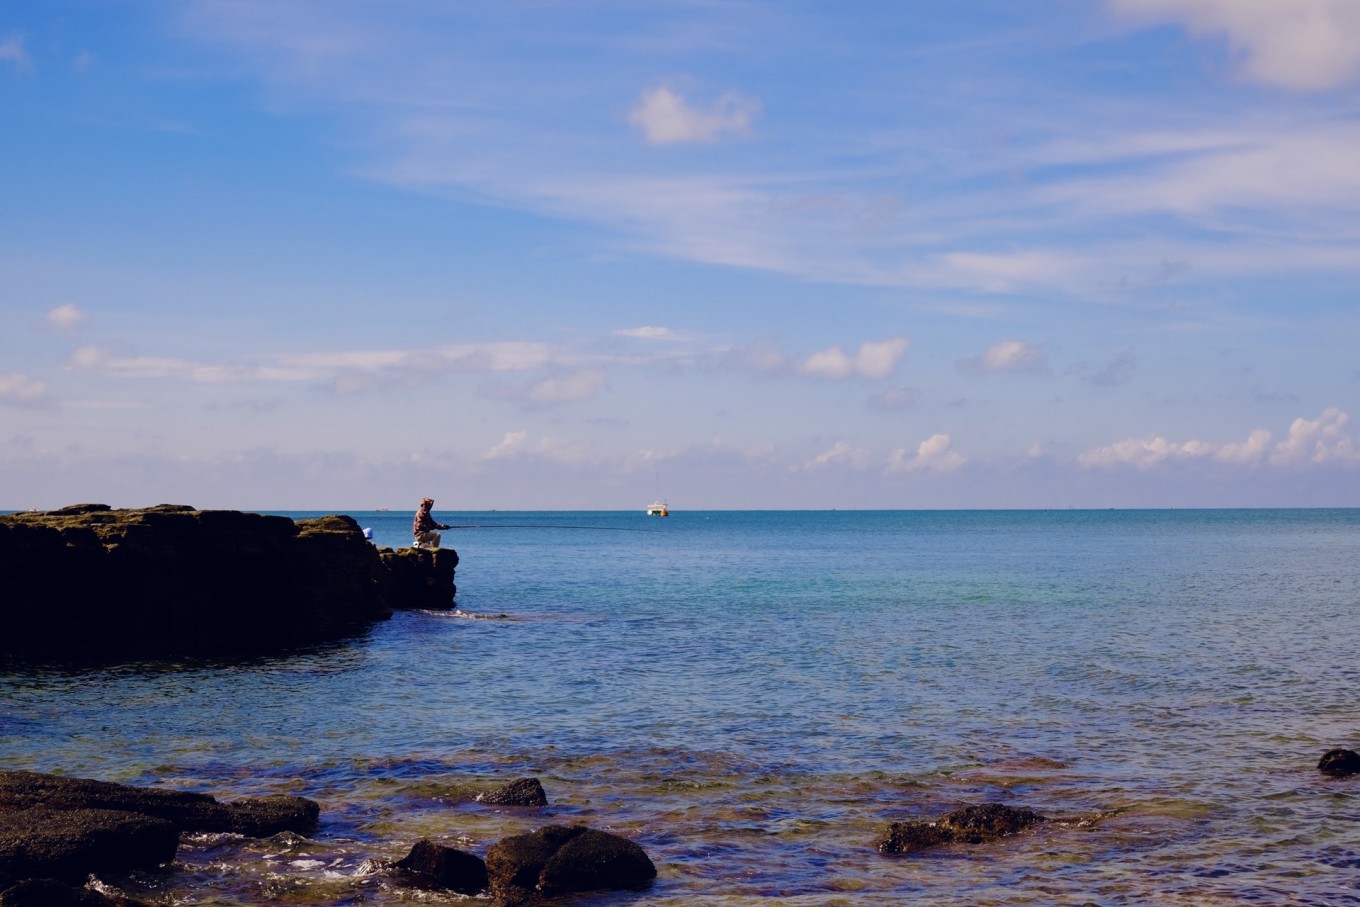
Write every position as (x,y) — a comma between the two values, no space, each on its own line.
(547,526)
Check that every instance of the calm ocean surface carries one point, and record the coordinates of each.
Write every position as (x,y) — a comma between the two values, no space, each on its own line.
(754,697)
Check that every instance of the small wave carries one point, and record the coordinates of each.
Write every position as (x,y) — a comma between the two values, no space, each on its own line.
(465,615)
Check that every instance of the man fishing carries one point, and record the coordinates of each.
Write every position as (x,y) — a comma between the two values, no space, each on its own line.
(425,525)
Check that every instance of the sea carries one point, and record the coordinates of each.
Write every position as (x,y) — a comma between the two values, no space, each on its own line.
(754,697)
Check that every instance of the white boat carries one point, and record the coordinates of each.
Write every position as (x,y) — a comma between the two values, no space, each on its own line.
(658,507)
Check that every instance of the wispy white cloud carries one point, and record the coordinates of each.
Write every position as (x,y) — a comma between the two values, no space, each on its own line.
(1317,441)
(842,453)
(513,443)
(1284,168)
(1007,356)
(652,332)
(17,389)
(1003,272)
(97,359)
(934,454)
(569,387)
(875,360)
(1144,453)
(13,50)
(1304,45)
(351,370)
(65,317)
(666,118)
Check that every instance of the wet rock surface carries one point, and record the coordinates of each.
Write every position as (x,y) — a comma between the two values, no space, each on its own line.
(255,817)
(51,893)
(420,578)
(431,865)
(1339,763)
(523,792)
(69,844)
(90,582)
(970,825)
(66,829)
(559,860)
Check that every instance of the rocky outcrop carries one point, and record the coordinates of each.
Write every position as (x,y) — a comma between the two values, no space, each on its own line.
(523,792)
(88,581)
(970,825)
(1339,763)
(53,827)
(419,577)
(69,844)
(557,860)
(431,865)
(256,817)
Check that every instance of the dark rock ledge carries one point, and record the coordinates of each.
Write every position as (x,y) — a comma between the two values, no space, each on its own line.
(88,582)
(56,831)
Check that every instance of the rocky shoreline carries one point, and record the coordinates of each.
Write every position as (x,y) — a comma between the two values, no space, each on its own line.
(90,582)
(59,834)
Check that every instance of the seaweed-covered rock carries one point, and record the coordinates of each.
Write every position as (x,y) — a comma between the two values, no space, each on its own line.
(88,581)
(970,825)
(1339,763)
(557,860)
(69,844)
(431,865)
(523,792)
(257,817)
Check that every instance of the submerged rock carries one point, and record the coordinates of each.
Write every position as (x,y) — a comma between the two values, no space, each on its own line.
(557,860)
(431,865)
(1339,763)
(88,581)
(524,792)
(970,825)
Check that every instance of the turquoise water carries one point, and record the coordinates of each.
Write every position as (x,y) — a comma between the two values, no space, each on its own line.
(754,697)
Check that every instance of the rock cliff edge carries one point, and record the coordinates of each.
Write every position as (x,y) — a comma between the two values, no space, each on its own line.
(89,581)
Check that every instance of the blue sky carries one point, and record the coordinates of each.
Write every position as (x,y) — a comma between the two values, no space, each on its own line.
(530,255)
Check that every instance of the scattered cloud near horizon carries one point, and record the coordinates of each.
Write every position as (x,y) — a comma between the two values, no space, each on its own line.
(18,389)
(1318,441)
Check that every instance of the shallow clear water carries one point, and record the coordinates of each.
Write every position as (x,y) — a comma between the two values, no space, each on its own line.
(754,697)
